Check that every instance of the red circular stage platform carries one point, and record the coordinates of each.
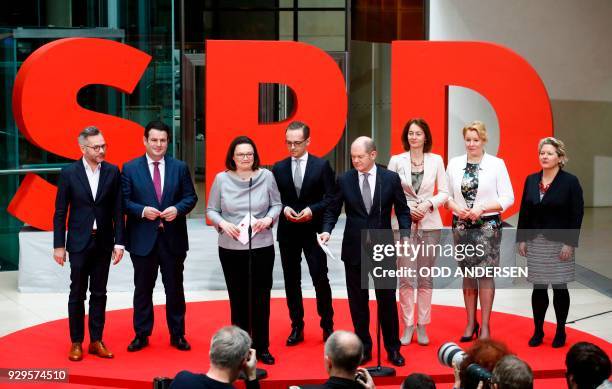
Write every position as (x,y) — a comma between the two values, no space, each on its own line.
(46,346)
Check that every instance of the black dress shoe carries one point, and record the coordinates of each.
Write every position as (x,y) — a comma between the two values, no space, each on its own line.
(367,357)
(296,336)
(138,343)
(265,357)
(180,343)
(327,332)
(396,358)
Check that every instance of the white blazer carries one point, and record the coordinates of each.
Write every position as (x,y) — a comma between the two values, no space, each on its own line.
(433,175)
(493,182)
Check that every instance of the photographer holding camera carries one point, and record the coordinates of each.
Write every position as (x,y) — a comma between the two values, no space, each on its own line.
(343,354)
(230,354)
(474,372)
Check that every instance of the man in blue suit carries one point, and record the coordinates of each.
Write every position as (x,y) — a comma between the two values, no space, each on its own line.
(157,196)
(89,194)
(369,193)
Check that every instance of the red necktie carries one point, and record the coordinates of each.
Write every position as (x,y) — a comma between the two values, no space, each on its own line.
(157,181)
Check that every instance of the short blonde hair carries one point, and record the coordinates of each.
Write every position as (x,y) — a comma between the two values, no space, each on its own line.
(479,127)
(559,148)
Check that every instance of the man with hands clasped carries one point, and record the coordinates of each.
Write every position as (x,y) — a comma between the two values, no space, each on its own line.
(305,183)
(157,195)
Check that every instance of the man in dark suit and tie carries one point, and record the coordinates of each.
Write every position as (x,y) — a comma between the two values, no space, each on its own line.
(89,194)
(305,183)
(368,192)
(157,195)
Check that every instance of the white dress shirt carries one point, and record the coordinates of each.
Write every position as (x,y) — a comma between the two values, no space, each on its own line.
(162,173)
(303,160)
(93,177)
(371,180)
(162,169)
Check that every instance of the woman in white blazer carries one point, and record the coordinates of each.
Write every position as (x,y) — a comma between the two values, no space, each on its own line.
(421,173)
(480,190)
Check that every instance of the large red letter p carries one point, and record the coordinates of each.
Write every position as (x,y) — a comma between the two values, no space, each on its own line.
(234,70)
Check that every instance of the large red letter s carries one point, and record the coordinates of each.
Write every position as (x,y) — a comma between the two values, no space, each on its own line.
(46,110)
(234,70)
(423,71)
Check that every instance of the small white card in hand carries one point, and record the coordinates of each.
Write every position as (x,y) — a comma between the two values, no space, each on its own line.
(326,249)
(243,226)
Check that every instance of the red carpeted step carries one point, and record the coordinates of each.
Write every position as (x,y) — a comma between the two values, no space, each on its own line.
(47,345)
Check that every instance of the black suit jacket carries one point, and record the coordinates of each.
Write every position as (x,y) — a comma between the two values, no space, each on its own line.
(335,383)
(558,216)
(138,192)
(388,194)
(75,201)
(187,380)
(317,186)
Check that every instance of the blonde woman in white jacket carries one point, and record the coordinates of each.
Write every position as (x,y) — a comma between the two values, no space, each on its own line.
(480,190)
(421,173)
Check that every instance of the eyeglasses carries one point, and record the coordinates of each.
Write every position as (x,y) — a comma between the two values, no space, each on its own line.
(244,155)
(97,148)
(296,143)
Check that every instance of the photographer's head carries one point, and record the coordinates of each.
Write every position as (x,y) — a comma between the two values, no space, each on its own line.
(343,353)
(418,381)
(512,373)
(229,350)
(587,366)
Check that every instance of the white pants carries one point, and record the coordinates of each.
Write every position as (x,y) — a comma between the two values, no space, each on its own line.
(422,285)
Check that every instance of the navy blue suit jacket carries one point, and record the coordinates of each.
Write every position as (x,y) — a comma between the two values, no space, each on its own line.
(317,186)
(75,201)
(558,216)
(138,192)
(388,194)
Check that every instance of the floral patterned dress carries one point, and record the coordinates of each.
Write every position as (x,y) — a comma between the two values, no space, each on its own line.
(485,231)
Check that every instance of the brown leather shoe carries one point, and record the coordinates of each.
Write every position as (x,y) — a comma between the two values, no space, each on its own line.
(76,352)
(98,348)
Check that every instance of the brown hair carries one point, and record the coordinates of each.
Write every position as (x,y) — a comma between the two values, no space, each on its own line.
(229,157)
(423,126)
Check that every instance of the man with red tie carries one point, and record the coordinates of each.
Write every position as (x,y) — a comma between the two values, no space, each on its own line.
(157,196)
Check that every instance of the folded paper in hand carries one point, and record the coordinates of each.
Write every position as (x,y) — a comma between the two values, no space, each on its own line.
(243,226)
(325,248)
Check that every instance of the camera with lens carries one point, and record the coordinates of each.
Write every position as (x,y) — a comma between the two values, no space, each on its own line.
(450,354)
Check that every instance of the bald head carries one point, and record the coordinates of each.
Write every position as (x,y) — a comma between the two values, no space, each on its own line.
(344,350)
(365,143)
(363,153)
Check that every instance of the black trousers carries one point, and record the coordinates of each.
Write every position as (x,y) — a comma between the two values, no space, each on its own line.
(145,274)
(360,310)
(291,259)
(89,266)
(235,264)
